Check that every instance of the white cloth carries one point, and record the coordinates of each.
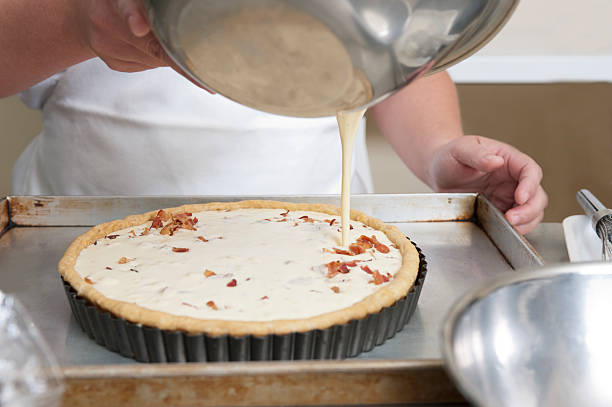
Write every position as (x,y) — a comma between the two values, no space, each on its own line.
(155,133)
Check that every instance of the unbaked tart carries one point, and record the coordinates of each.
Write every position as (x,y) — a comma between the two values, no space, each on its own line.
(240,271)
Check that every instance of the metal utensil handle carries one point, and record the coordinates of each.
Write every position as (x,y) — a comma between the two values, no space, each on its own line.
(589,202)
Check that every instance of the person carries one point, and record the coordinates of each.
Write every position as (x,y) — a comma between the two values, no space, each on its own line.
(114,125)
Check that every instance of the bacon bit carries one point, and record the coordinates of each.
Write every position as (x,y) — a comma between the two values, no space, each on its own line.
(169,229)
(358,248)
(331,222)
(212,305)
(352,263)
(123,260)
(232,283)
(265,297)
(268,219)
(379,278)
(336,267)
(157,223)
(282,220)
(134,270)
(180,249)
(335,289)
(195,220)
(220,237)
(350,227)
(285,213)
(342,251)
(379,246)
(132,233)
(189,305)
(306,219)
(248,279)
(88,281)
(145,232)
(108,268)
(202,238)
(163,215)
(111,237)
(209,273)
(367,269)
(95,243)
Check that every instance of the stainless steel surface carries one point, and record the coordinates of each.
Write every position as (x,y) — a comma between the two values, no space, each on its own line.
(317,57)
(534,338)
(459,253)
(601,219)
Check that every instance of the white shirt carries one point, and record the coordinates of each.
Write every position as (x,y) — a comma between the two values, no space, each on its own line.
(155,133)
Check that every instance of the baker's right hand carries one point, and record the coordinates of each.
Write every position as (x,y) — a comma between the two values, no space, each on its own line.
(119,33)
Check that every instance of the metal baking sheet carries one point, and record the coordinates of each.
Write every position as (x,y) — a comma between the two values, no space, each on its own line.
(466,240)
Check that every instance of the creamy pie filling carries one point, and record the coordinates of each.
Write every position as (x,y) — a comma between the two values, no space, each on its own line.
(241,265)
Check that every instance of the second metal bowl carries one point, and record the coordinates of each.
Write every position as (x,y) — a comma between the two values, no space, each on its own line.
(535,338)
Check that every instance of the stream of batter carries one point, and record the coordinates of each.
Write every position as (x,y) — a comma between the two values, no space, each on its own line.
(348,122)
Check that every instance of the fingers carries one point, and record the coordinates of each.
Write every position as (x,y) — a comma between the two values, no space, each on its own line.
(470,151)
(529,177)
(526,217)
(132,12)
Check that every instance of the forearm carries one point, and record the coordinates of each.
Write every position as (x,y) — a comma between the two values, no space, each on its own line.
(419,119)
(37,39)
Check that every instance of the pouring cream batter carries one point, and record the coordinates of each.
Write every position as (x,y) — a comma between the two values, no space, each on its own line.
(347,125)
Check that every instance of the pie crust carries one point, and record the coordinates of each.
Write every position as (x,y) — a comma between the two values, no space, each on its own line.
(402,282)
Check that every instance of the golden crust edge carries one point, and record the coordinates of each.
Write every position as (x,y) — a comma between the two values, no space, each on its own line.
(401,284)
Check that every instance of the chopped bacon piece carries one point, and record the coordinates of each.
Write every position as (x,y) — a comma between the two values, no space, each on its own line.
(88,281)
(335,289)
(169,229)
(331,222)
(379,246)
(285,213)
(195,220)
(134,270)
(265,297)
(209,273)
(350,227)
(180,249)
(232,283)
(357,248)
(342,251)
(163,215)
(132,233)
(123,260)
(305,218)
(352,263)
(282,220)
(157,223)
(202,238)
(111,237)
(336,267)
(108,268)
(212,305)
(95,243)
(367,269)
(379,278)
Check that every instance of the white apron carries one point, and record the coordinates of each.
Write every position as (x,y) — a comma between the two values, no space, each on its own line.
(155,133)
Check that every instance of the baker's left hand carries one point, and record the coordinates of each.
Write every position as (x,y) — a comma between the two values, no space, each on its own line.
(509,178)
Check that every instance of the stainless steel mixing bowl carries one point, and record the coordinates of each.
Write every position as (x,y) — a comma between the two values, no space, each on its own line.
(535,338)
(314,58)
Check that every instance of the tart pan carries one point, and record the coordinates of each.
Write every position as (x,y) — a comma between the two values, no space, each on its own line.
(149,344)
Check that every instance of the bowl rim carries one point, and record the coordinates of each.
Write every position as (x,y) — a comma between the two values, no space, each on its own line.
(483,290)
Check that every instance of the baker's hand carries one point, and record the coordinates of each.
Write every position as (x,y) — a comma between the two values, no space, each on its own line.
(509,178)
(119,33)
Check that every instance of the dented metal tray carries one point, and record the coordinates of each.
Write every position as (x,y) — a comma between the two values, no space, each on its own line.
(464,238)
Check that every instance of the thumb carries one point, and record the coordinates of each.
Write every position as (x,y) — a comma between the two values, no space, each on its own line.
(471,152)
